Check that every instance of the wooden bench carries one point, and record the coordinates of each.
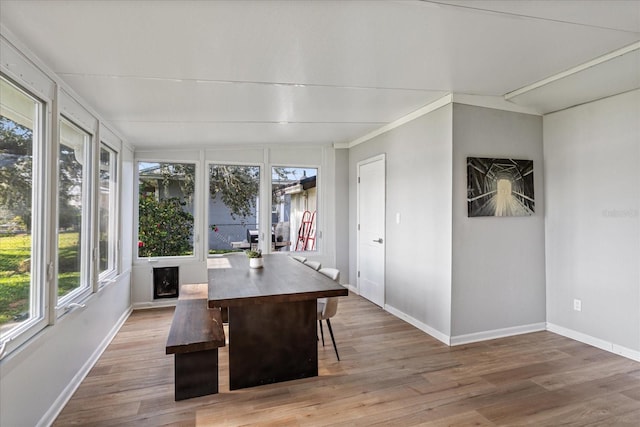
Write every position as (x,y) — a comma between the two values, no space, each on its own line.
(194,338)
(200,291)
(194,291)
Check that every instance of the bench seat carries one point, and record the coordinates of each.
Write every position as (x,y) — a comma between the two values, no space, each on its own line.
(194,338)
(194,291)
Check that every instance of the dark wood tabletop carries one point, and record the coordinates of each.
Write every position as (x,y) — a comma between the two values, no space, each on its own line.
(282,279)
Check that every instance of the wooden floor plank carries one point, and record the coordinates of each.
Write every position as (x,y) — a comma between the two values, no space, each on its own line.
(390,373)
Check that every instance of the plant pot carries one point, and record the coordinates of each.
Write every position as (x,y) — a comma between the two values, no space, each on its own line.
(256,262)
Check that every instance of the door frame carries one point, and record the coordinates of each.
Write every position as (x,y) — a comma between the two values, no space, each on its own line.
(380,157)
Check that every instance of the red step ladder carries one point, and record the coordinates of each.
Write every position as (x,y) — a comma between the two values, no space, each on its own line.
(307,232)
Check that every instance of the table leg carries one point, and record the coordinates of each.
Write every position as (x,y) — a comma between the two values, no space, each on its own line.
(272,342)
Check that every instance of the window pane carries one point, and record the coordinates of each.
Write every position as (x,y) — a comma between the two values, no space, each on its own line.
(106,207)
(233,207)
(18,292)
(293,209)
(165,210)
(71,199)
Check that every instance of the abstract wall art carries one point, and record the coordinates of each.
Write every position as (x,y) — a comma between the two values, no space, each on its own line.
(499,187)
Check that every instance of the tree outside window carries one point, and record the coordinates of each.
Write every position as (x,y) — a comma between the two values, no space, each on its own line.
(18,291)
(233,207)
(72,200)
(165,209)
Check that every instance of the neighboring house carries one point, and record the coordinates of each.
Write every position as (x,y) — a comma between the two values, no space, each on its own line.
(294,199)
(291,199)
(152,183)
(225,228)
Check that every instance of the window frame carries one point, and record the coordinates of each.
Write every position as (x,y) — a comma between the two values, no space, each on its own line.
(41,269)
(105,277)
(88,220)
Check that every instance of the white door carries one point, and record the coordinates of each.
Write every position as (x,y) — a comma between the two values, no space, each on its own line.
(371,229)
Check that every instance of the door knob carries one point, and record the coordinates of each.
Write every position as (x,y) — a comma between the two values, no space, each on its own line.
(378,240)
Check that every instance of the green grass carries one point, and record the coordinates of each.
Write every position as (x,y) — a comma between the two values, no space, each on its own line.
(15,275)
(15,251)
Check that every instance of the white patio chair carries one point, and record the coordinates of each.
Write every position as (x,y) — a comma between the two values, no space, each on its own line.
(313,264)
(328,307)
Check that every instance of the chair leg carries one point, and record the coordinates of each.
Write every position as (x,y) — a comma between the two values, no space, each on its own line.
(333,339)
(321,331)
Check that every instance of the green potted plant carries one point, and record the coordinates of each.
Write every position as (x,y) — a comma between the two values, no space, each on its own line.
(255,258)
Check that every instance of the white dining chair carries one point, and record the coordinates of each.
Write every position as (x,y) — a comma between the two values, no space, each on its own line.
(328,307)
(313,264)
(299,258)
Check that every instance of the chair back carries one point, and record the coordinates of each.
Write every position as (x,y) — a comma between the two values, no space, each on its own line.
(330,308)
(331,304)
(332,273)
(313,264)
(299,258)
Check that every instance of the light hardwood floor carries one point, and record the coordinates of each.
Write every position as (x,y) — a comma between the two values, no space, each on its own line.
(390,374)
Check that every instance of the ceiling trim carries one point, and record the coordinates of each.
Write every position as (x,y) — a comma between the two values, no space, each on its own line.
(447,99)
(495,102)
(574,70)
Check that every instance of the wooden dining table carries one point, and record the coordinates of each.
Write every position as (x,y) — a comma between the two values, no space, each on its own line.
(272,315)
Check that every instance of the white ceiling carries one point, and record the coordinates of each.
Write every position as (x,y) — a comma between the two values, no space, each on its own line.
(199,73)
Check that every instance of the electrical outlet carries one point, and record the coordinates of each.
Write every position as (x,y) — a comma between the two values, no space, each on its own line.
(577,305)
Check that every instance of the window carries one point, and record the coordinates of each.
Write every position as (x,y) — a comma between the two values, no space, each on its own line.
(107,206)
(47,226)
(165,209)
(233,208)
(294,208)
(73,210)
(21,288)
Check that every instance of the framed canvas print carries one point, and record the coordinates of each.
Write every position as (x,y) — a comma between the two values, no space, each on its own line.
(499,187)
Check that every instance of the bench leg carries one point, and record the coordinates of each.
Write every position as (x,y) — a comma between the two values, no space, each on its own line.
(196,374)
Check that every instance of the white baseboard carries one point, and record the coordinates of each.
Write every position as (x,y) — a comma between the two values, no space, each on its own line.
(418,324)
(155,304)
(516,330)
(52,413)
(595,342)
(497,333)
(351,288)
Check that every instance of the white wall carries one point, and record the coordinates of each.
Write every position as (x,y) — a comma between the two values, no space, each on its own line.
(37,381)
(418,250)
(126,210)
(498,283)
(342,213)
(460,279)
(592,158)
